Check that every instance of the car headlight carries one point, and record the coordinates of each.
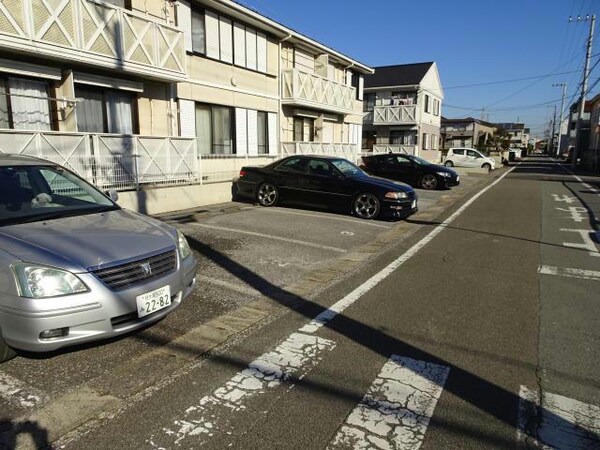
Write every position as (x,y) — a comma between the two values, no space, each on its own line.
(36,281)
(396,195)
(183,246)
(443,174)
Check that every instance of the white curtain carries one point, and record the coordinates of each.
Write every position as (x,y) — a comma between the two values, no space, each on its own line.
(222,136)
(4,118)
(203,129)
(30,104)
(119,112)
(90,111)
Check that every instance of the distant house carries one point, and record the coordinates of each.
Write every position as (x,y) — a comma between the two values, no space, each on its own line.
(402,110)
(467,132)
(584,132)
(518,134)
(591,156)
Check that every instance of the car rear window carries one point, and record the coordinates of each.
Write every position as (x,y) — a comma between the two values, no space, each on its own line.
(458,151)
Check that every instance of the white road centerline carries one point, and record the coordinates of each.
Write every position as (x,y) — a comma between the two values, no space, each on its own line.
(357,293)
(396,410)
(570,273)
(271,237)
(328,217)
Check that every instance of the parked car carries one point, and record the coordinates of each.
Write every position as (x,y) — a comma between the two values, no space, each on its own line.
(329,182)
(410,169)
(74,266)
(468,157)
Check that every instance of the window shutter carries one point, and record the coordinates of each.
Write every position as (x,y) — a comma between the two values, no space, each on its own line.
(239,43)
(241,131)
(212,35)
(348,78)
(226,33)
(361,86)
(187,118)
(184,21)
(273,142)
(327,133)
(251,49)
(252,132)
(261,51)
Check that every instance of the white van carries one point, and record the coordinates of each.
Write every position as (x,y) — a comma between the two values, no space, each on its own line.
(468,157)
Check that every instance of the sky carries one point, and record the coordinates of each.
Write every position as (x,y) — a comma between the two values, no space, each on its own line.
(473,42)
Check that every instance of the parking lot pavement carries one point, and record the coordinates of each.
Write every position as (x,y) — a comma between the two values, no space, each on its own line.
(244,252)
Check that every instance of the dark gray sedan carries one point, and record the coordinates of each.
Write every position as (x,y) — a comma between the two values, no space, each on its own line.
(74,266)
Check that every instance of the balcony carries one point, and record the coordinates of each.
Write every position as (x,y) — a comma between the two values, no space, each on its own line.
(395,115)
(348,151)
(409,149)
(93,33)
(313,91)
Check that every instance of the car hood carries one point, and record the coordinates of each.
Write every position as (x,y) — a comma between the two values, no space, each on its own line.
(86,242)
(384,183)
(438,168)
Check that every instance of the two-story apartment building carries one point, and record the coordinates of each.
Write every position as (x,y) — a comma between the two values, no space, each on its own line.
(518,134)
(166,100)
(467,132)
(402,110)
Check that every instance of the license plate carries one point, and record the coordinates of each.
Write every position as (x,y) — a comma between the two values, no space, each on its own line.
(151,302)
(414,204)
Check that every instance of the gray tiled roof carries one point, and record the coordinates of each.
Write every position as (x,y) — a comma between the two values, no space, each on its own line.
(399,75)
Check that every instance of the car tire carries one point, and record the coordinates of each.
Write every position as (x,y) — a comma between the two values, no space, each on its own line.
(429,182)
(267,194)
(366,206)
(487,167)
(449,164)
(6,352)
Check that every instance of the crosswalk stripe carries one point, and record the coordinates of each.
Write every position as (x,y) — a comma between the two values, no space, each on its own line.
(559,422)
(396,410)
(295,357)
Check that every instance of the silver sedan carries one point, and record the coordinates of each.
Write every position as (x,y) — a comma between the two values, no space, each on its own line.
(74,266)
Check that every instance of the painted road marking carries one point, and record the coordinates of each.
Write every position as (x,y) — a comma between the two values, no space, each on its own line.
(246,289)
(570,273)
(328,216)
(269,236)
(295,357)
(559,422)
(395,412)
(587,244)
(357,293)
(18,393)
(564,198)
(577,213)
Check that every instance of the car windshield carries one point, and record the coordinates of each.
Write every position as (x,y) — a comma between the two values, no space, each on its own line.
(33,193)
(346,167)
(420,161)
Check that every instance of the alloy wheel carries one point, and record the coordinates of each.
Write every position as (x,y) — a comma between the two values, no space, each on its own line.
(429,181)
(366,206)
(267,194)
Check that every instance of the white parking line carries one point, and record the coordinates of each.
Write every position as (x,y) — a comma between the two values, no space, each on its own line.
(245,289)
(295,357)
(329,217)
(570,273)
(18,393)
(559,422)
(396,410)
(269,236)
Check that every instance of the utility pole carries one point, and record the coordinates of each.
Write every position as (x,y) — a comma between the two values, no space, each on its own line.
(560,120)
(584,84)
(551,150)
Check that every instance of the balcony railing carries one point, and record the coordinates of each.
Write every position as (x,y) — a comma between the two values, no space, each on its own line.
(93,32)
(308,89)
(348,151)
(395,115)
(395,148)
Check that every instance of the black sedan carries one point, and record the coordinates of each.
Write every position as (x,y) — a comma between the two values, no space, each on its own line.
(321,181)
(410,169)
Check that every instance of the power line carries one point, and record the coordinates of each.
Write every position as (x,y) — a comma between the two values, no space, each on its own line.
(510,81)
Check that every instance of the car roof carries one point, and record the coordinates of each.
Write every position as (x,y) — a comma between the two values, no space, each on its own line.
(329,157)
(9,159)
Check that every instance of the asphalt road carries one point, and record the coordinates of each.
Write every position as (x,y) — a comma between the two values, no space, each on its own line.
(471,325)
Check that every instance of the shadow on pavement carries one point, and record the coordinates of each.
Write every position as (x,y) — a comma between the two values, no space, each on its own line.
(11,430)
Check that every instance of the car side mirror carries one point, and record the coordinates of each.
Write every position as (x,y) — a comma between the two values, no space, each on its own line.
(112,194)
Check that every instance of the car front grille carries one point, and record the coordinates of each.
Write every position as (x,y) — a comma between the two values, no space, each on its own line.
(137,272)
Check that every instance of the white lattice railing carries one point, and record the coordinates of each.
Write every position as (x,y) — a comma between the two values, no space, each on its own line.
(348,151)
(308,89)
(395,148)
(93,32)
(394,115)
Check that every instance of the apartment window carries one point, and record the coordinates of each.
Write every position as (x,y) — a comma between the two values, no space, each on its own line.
(400,137)
(104,110)
(369,103)
(219,37)
(427,107)
(425,141)
(436,107)
(262,133)
(24,104)
(214,129)
(304,129)
(358,84)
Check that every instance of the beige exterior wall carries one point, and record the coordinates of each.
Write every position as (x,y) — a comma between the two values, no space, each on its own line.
(65,111)
(154,110)
(159,9)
